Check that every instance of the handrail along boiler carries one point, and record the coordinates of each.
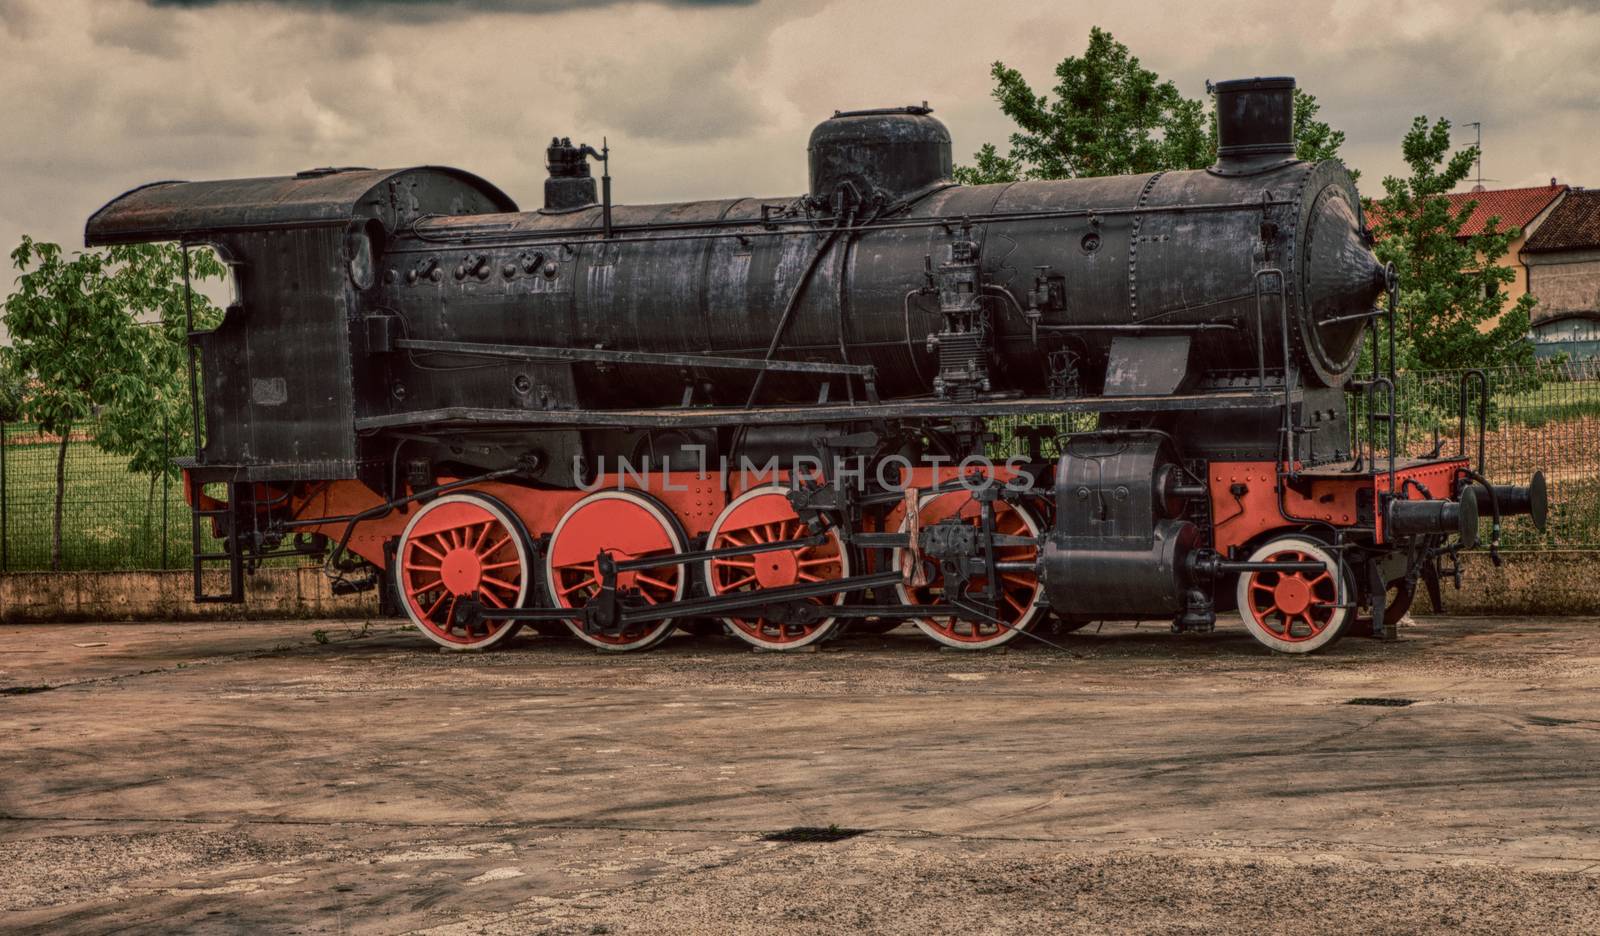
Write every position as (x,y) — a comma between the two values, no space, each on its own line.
(452,400)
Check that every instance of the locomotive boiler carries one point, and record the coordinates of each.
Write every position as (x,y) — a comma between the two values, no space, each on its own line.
(779,417)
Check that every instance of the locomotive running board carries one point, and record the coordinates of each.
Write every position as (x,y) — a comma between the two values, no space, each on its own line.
(904,409)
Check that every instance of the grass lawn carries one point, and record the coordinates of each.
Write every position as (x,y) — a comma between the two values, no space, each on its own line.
(109,519)
(1551,402)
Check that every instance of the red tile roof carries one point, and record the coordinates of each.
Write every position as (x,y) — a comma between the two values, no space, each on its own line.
(1573,225)
(1514,207)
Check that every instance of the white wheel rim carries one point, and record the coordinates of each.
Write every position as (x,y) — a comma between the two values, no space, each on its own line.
(663,628)
(518,542)
(824,627)
(1006,634)
(1338,617)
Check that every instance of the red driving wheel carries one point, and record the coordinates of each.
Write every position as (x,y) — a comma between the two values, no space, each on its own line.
(764,515)
(1020,603)
(458,548)
(628,526)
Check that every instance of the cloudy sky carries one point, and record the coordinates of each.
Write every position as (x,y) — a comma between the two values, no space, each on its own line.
(708,98)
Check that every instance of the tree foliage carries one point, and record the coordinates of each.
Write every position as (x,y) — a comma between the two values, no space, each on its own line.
(102,333)
(1314,140)
(1109,115)
(152,421)
(12,385)
(1452,311)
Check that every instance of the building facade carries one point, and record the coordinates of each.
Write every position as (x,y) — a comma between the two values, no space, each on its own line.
(1525,209)
(1562,263)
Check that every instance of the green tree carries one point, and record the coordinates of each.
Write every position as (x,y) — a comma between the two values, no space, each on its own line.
(152,422)
(13,386)
(1109,115)
(1314,140)
(78,338)
(1452,312)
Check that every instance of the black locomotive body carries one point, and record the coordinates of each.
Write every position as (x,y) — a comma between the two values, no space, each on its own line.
(502,417)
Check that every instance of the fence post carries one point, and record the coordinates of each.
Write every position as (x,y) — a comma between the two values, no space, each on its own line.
(5,532)
(166,482)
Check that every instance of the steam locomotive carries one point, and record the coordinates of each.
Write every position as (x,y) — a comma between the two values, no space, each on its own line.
(782,417)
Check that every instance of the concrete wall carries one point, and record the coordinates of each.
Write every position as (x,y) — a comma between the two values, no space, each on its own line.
(168,596)
(1534,582)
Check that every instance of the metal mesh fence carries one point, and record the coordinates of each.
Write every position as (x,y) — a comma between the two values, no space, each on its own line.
(1545,418)
(111,518)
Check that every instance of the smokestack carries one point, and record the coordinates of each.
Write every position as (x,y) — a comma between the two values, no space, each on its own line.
(1255,120)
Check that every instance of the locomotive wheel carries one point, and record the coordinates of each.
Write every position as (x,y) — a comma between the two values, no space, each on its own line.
(1019,591)
(459,547)
(1397,603)
(628,526)
(764,515)
(1295,612)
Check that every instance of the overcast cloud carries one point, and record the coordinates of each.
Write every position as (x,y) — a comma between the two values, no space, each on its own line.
(708,98)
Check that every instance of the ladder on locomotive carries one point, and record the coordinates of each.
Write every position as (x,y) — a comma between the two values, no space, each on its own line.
(193,477)
(200,557)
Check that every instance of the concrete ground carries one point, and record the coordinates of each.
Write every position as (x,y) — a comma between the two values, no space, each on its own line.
(247,778)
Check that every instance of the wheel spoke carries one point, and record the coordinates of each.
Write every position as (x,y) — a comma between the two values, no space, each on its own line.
(652,580)
(591,580)
(513,589)
(430,586)
(728,586)
(424,547)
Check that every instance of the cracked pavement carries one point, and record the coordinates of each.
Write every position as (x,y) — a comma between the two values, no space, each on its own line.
(258,777)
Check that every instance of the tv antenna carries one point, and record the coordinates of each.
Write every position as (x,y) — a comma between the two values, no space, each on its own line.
(1478,126)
